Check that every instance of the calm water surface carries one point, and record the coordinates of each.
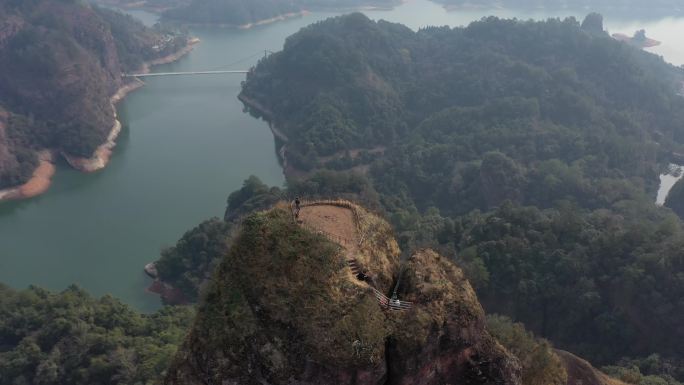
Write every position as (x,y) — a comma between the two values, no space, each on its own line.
(187,145)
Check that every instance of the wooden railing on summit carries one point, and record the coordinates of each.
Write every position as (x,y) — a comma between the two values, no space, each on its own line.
(339,203)
(384,301)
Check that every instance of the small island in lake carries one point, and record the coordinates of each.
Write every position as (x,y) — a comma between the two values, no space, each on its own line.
(639,39)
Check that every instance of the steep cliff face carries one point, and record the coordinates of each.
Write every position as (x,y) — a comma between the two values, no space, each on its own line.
(443,339)
(581,372)
(285,308)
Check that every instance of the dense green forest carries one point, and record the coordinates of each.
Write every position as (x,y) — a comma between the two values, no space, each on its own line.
(528,151)
(136,43)
(17,157)
(190,263)
(539,364)
(59,64)
(72,338)
(556,113)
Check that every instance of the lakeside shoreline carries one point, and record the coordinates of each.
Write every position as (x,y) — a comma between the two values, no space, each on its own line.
(38,183)
(101,156)
(283,17)
(41,179)
(290,171)
(103,153)
(277,134)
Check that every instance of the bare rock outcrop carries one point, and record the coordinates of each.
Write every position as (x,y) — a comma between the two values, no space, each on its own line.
(283,308)
(443,339)
(581,372)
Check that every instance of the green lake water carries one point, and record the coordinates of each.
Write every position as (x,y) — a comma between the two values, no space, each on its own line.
(186,145)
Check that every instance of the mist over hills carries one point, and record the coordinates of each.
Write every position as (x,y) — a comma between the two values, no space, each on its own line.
(242,13)
(662,7)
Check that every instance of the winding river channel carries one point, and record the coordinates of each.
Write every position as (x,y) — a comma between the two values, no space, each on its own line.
(186,145)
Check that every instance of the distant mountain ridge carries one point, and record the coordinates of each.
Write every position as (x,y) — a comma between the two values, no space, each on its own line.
(232,12)
(242,13)
(245,13)
(672,5)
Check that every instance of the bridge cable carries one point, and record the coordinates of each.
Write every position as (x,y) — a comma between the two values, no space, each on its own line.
(237,61)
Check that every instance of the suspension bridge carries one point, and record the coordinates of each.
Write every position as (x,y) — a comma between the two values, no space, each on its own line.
(149,75)
(222,70)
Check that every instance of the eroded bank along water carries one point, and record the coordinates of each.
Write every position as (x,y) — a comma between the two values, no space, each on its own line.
(186,145)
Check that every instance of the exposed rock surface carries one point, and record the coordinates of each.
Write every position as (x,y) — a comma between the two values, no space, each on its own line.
(283,308)
(580,372)
(443,339)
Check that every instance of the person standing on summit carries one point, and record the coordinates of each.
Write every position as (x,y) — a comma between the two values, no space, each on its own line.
(297,203)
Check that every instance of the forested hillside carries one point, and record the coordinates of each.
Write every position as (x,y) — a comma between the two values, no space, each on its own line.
(60,61)
(189,264)
(528,151)
(72,338)
(471,117)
